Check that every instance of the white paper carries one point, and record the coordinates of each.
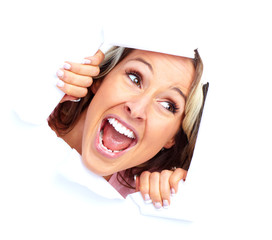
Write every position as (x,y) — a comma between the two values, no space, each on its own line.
(230,175)
(73,169)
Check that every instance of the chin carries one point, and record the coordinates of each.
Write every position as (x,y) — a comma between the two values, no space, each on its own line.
(97,166)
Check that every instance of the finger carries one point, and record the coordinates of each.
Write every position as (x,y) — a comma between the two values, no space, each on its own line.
(74,79)
(165,187)
(72,90)
(177,175)
(82,69)
(144,186)
(154,190)
(96,59)
(137,183)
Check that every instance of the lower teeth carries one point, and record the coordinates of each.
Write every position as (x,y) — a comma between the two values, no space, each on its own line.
(105,148)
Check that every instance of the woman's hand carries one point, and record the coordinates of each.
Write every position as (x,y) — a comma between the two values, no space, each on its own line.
(157,187)
(75,78)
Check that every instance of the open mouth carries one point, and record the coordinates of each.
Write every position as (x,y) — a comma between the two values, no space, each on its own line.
(115,137)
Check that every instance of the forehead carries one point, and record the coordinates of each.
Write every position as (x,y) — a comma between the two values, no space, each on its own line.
(170,69)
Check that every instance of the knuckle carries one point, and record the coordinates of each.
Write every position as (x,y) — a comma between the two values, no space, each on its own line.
(100,55)
(179,170)
(71,80)
(76,68)
(96,71)
(89,81)
(165,173)
(84,92)
(155,176)
(145,174)
(68,90)
(173,181)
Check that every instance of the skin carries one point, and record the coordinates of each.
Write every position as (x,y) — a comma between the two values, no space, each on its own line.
(143,108)
(158,186)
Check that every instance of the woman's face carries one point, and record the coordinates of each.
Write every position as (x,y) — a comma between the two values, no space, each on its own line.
(136,111)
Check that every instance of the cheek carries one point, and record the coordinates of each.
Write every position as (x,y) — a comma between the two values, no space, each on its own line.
(167,131)
(111,92)
(165,127)
(103,99)
(157,135)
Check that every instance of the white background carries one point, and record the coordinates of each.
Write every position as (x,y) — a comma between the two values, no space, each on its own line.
(231,169)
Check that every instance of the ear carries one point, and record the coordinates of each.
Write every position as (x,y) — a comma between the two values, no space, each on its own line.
(95,86)
(170,143)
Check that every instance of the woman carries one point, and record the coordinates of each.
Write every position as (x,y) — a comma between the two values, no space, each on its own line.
(141,114)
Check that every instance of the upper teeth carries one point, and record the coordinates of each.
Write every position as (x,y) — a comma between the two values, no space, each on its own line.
(121,128)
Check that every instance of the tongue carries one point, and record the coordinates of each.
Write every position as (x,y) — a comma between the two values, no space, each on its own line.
(114,140)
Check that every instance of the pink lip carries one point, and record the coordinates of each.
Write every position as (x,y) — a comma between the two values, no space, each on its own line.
(113,154)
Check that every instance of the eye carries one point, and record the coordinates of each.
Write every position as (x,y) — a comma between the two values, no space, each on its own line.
(169,106)
(135,78)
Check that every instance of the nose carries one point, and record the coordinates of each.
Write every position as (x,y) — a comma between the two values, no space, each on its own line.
(137,108)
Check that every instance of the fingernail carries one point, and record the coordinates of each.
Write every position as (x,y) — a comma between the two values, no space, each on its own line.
(147,198)
(173,192)
(67,66)
(157,205)
(60,83)
(76,100)
(86,61)
(165,204)
(60,73)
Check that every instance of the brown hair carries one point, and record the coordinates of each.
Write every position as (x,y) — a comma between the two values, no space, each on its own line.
(66,114)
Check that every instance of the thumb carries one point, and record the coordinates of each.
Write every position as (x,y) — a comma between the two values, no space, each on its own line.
(137,183)
(68,98)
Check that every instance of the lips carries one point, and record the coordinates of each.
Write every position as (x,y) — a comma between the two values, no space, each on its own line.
(115,137)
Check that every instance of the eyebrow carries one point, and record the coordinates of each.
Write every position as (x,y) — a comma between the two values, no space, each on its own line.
(145,62)
(151,69)
(180,92)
